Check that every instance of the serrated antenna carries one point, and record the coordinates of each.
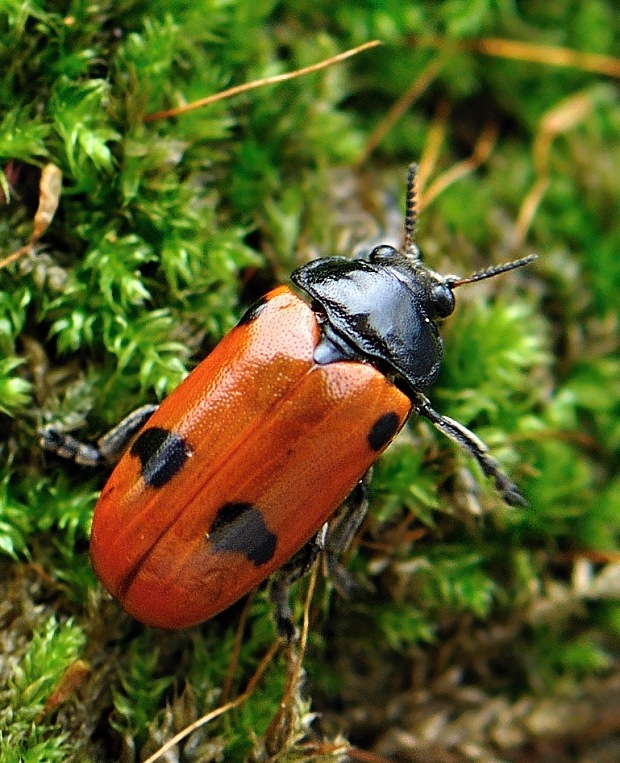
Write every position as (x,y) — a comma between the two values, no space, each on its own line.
(409,247)
(495,270)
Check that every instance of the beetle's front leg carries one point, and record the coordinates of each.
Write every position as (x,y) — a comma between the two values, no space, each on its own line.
(109,448)
(474,446)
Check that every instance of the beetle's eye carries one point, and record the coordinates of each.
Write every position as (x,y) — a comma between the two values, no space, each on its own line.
(443,300)
(383,253)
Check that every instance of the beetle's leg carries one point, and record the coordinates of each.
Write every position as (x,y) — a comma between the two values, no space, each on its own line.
(284,578)
(341,533)
(109,448)
(474,446)
(334,538)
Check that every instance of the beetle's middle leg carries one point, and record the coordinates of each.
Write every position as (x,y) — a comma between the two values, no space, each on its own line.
(108,449)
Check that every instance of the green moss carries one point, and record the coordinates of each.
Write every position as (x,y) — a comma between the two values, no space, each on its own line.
(27,734)
(168,229)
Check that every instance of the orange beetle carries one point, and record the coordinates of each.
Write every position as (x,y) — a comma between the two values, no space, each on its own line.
(244,463)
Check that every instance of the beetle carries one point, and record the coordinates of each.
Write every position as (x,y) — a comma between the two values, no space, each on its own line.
(237,473)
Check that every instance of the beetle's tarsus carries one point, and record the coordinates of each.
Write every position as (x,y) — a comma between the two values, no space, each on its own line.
(475,447)
(280,600)
(109,448)
(67,446)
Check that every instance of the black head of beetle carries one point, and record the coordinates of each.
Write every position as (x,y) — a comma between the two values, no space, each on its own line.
(385,311)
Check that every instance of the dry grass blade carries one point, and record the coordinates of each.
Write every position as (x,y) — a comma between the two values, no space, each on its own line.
(260,83)
(527,51)
(50,187)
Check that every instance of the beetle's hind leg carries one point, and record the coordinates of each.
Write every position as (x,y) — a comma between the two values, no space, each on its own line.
(284,578)
(109,448)
(475,447)
(333,540)
(342,532)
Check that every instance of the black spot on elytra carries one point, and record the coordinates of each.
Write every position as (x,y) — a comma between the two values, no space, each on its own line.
(252,313)
(161,453)
(240,528)
(383,430)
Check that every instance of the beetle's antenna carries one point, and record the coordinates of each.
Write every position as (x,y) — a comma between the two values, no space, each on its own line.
(495,270)
(409,247)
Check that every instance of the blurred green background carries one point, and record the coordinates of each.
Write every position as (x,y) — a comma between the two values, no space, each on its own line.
(491,634)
